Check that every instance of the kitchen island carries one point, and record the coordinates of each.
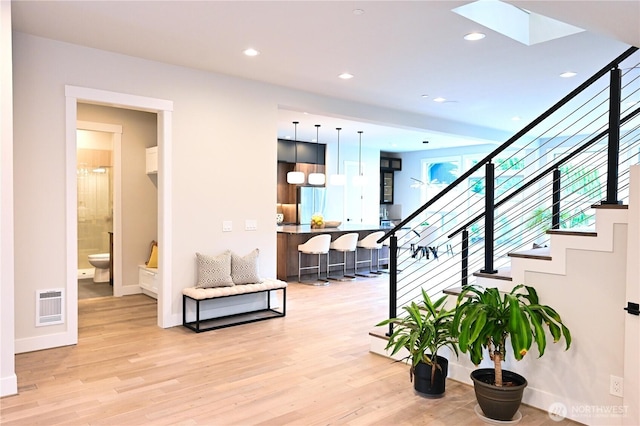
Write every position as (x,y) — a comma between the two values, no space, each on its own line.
(290,236)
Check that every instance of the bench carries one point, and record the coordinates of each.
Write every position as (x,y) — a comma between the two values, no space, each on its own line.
(195,295)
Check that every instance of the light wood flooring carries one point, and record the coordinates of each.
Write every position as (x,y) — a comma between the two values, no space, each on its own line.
(312,367)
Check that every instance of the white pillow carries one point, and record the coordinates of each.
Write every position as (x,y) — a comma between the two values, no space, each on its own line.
(214,271)
(244,270)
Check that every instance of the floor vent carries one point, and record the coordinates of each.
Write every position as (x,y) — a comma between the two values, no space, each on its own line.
(49,307)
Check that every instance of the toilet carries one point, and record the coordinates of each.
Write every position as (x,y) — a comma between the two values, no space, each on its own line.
(101,262)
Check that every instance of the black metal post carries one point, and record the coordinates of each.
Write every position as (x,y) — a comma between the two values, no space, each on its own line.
(555,208)
(489,218)
(465,257)
(613,150)
(393,279)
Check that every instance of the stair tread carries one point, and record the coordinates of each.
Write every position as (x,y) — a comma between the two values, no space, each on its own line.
(452,291)
(610,206)
(585,232)
(502,274)
(380,332)
(542,253)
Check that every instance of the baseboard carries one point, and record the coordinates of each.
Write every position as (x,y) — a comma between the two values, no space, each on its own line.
(9,385)
(30,344)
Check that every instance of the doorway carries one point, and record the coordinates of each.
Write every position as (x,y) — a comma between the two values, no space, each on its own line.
(163,109)
(99,214)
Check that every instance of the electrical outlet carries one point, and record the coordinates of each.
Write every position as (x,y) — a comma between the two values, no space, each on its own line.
(616,385)
(250,225)
(227,226)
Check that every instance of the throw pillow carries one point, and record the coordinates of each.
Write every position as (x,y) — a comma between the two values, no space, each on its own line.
(244,270)
(153,258)
(214,271)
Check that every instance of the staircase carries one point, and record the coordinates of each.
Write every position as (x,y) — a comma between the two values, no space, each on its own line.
(553,207)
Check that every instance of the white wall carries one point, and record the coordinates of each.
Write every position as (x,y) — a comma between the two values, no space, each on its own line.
(585,283)
(223,164)
(632,323)
(8,379)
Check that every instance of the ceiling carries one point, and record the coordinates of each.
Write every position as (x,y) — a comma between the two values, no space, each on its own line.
(397,51)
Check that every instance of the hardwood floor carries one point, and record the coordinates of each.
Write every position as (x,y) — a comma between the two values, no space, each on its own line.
(312,367)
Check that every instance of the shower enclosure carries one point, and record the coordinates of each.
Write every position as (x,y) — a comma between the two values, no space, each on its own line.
(95,203)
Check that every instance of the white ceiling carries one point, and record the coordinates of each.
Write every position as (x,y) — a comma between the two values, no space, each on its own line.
(397,51)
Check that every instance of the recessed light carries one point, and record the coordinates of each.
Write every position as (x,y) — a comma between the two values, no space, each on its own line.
(474,36)
(358,12)
(439,99)
(251,52)
(515,118)
(425,95)
(568,74)
(345,76)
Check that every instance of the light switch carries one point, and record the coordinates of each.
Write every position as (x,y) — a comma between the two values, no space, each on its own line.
(227,226)
(250,225)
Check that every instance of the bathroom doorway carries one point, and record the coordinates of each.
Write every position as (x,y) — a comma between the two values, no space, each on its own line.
(96,192)
(75,95)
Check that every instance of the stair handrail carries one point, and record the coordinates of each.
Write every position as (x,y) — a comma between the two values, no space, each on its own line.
(546,172)
(604,70)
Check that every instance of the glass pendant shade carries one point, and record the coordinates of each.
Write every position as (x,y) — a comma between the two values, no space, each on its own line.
(338,180)
(317,178)
(295,178)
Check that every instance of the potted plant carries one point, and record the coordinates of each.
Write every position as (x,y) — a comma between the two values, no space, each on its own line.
(485,319)
(422,332)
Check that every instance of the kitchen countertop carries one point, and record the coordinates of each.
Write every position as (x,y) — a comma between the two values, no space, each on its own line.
(306,229)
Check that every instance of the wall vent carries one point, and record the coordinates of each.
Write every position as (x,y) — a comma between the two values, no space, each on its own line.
(49,307)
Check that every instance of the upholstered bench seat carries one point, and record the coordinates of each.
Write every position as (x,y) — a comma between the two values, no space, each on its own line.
(211,293)
(197,295)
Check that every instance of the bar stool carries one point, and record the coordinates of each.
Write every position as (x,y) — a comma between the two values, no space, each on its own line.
(315,245)
(370,242)
(345,243)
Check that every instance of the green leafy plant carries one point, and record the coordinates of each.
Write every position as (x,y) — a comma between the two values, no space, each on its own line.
(486,318)
(422,332)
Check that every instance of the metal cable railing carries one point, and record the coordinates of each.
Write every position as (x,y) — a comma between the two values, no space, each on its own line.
(547,176)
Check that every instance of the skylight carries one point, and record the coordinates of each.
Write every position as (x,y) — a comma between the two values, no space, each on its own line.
(519,24)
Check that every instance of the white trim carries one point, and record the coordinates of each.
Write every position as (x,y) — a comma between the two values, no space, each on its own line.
(165,240)
(118,100)
(9,385)
(71,216)
(38,343)
(122,100)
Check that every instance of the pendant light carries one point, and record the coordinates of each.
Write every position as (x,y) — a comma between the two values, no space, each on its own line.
(338,179)
(317,178)
(295,177)
(359,180)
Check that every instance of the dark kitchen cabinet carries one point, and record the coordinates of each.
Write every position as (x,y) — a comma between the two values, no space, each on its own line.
(390,163)
(386,187)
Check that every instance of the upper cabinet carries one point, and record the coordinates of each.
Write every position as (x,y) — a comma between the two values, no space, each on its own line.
(390,163)
(307,152)
(386,187)
(152,160)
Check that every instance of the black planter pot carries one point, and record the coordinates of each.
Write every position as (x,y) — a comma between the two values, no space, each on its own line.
(498,403)
(422,382)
